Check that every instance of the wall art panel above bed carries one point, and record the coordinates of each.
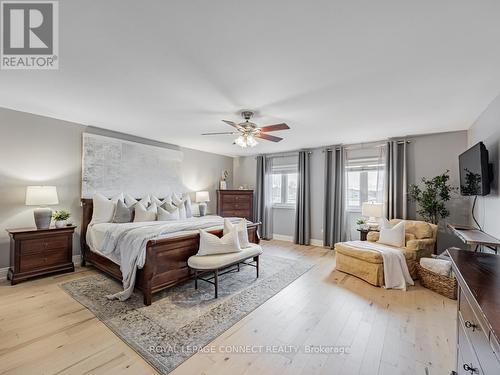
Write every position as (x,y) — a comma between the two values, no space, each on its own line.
(111,166)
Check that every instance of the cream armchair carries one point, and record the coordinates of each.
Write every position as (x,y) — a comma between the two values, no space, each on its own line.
(368,264)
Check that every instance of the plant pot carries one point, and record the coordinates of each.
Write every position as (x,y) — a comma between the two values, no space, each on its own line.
(61,223)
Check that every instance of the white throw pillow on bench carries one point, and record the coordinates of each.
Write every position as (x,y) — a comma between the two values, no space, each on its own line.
(394,236)
(210,244)
(241,227)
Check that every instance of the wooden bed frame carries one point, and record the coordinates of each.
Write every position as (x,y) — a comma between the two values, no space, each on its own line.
(166,259)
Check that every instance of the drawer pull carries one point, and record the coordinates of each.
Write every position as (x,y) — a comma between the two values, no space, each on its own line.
(469,324)
(470,369)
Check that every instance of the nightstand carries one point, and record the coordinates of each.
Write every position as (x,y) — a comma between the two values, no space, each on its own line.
(36,252)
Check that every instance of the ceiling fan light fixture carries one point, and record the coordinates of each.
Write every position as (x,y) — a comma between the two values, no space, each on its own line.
(246,140)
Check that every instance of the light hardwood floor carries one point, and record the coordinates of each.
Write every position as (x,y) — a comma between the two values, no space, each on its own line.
(44,331)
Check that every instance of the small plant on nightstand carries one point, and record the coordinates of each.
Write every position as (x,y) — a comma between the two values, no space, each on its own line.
(61,218)
(361,223)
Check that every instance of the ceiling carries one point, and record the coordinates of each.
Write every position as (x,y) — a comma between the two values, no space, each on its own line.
(334,71)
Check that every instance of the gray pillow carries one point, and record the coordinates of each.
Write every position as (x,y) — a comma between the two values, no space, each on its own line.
(123,214)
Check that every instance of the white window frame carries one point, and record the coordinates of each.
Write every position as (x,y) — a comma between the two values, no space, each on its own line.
(363,184)
(284,171)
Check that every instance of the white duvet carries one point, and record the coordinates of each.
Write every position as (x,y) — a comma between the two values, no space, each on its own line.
(125,244)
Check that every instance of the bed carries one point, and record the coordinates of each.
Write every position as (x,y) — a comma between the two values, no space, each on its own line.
(166,258)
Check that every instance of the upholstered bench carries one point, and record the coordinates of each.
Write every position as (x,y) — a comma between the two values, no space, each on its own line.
(207,264)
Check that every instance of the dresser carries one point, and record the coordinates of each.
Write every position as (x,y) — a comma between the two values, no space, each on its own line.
(36,252)
(478,318)
(238,203)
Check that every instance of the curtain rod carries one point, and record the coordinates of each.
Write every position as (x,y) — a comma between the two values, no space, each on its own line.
(283,154)
(349,147)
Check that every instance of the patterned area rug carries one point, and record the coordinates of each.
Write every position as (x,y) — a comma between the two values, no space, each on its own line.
(182,320)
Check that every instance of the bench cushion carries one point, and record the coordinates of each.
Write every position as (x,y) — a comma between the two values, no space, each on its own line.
(212,262)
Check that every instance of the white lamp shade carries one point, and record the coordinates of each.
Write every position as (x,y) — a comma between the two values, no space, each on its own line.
(372,209)
(202,196)
(41,196)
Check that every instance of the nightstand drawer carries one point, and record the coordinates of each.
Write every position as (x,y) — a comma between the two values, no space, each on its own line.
(38,246)
(47,259)
(237,206)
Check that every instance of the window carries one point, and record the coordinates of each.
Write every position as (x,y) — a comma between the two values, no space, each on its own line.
(364,180)
(284,185)
(284,189)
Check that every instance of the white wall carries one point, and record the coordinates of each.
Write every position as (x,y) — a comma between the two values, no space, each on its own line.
(36,150)
(487,129)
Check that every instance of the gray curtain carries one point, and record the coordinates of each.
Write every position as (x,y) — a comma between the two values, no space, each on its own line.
(396,180)
(303,212)
(334,217)
(262,197)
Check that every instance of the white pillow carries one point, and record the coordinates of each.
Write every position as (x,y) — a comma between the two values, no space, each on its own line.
(180,204)
(165,215)
(131,201)
(145,214)
(104,208)
(195,209)
(241,227)
(189,207)
(394,236)
(210,244)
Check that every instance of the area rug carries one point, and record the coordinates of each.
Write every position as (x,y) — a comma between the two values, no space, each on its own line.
(182,320)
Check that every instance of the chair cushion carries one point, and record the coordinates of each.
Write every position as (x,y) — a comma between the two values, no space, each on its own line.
(370,256)
(212,262)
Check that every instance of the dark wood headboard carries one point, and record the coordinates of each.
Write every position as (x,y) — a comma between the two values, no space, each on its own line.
(88,209)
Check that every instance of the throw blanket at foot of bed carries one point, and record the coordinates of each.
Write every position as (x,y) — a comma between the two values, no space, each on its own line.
(396,274)
(127,243)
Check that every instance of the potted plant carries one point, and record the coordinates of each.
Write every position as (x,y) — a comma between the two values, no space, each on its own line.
(431,198)
(361,223)
(61,218)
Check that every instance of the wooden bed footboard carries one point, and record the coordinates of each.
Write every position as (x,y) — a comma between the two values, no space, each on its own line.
(166,259)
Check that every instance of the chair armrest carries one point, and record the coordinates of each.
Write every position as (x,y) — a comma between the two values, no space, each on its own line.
(373,236)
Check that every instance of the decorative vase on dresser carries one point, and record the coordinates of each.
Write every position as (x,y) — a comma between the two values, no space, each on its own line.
(235,203)
(36,252)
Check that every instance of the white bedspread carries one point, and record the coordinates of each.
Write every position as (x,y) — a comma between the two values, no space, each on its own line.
(125,243)
(396,274)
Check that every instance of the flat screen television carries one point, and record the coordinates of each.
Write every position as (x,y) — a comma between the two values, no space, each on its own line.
(474,171)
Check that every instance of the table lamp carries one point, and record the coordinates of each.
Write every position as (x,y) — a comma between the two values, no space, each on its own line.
(202,197)
(42,196)
(373,211)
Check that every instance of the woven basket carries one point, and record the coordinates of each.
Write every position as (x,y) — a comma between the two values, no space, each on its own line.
(444,285)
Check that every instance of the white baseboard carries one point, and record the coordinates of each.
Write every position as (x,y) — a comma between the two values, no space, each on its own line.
(281,237)
(3,271)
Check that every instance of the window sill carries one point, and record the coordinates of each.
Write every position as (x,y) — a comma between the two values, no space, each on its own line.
(284,206)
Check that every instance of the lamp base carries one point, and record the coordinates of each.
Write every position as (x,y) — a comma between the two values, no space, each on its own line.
(203,209)
(43,217)
(373,223)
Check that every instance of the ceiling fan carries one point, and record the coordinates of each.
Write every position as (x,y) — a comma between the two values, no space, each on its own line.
(247,131)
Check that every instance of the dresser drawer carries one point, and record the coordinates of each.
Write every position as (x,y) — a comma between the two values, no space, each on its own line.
(234,206)
(478,333)
(467,362)
(46,259)
(236,213)
(39,246)
(237,198)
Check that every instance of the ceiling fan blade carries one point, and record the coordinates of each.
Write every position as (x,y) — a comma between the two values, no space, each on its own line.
(233,124)
(268,137)
(273,128)
(221,133)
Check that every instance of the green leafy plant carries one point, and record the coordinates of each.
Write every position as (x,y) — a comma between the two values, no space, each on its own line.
(61,215)
(361,221)
(432,196)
